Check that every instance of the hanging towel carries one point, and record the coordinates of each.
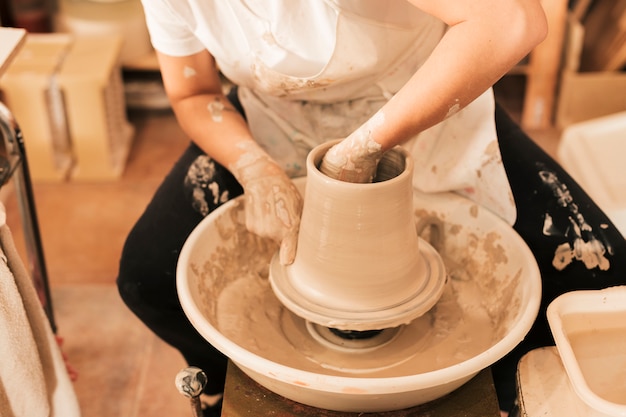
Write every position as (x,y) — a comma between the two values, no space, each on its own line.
(33,377)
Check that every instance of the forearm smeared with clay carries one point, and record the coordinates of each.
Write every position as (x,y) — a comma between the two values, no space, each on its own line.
(273,203)
(484,39)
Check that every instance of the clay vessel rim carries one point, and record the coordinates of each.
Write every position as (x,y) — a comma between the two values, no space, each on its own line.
(315,159)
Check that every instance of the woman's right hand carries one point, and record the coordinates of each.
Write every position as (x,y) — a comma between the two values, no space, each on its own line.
(354,159)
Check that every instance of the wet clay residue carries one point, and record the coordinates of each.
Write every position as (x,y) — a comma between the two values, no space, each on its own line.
(476,310)
(239,254)
(479,257)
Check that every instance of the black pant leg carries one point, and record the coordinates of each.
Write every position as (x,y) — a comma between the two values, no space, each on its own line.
(147,279)
(553,214)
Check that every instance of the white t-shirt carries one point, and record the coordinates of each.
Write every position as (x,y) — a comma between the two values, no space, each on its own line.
(314,70)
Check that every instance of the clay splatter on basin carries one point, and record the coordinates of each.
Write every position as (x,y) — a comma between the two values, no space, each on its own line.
(491,299)
(474,312)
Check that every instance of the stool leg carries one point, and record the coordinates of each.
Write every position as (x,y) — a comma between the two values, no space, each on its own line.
(516,411)
(190,383)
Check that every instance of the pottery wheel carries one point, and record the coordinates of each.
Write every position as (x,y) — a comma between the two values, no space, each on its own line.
(489,302)
(431,272)
(249,313)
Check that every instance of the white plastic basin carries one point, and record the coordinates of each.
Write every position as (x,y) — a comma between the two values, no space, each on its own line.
(589,329)
(592,152)
(491,300)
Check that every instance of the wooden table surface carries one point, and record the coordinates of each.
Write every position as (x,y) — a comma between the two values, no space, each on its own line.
(245,398)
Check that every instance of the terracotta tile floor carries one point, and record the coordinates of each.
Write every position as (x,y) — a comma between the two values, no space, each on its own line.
(124,371)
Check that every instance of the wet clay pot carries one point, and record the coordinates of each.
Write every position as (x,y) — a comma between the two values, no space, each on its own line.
(360,264)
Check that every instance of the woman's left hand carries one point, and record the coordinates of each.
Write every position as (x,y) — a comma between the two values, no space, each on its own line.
(273,203)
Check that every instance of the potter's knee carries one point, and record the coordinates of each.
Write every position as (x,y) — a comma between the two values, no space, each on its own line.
(128,289)
(130,279)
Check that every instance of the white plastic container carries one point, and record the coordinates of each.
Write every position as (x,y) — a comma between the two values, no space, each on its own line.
(589,329)
(593,153)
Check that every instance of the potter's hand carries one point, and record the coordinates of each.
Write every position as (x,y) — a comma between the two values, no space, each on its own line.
(273,203)
(354,159)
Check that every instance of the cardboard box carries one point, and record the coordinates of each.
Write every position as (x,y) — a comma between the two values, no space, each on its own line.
(31,93)
(67,95)
(91,81)
(586,95)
